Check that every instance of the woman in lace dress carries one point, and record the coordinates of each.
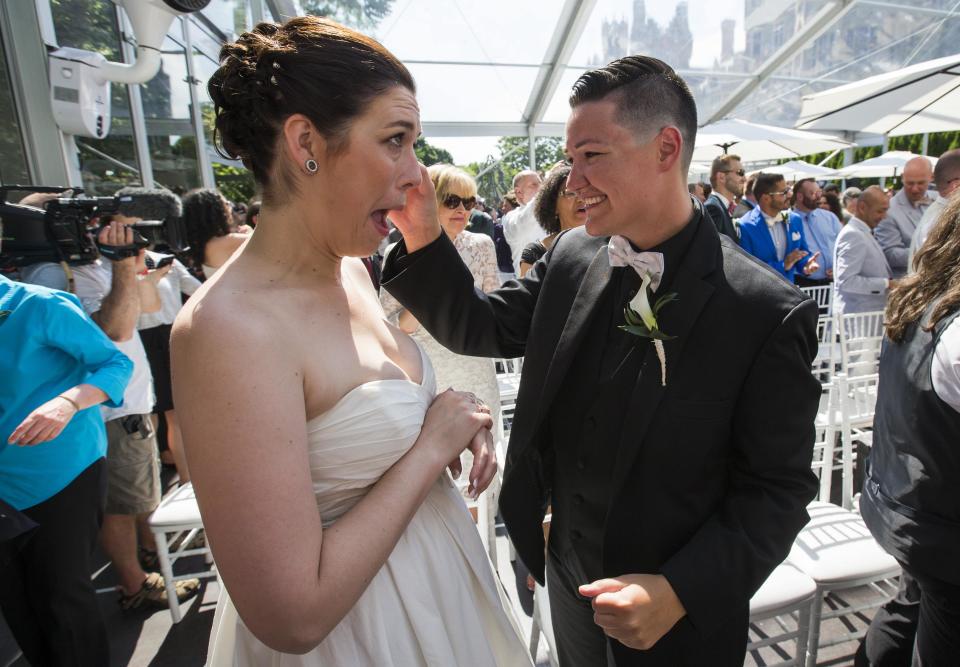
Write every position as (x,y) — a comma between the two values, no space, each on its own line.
(316,442)
(456,195)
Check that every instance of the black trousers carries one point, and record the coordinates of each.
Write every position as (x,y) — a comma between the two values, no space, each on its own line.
(938,628)
(803,281)
(920,627)
(889,639)
(46,594)
(580,641)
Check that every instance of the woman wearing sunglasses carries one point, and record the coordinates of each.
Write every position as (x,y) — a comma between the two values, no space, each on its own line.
(456,196)
(557,210)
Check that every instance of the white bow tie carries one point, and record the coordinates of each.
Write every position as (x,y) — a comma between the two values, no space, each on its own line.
(622,254)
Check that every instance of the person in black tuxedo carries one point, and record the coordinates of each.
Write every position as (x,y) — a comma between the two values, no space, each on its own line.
(676,487)
(727,177)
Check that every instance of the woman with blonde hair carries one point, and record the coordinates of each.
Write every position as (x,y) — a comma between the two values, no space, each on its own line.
(911,496)
(456,195)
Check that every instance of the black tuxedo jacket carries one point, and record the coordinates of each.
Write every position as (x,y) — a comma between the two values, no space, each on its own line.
(712,475)
(720,216)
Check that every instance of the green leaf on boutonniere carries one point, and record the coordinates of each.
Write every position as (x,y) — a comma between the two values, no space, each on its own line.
(644,324)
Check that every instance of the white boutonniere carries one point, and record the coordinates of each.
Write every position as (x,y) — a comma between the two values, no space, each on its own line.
(641,318)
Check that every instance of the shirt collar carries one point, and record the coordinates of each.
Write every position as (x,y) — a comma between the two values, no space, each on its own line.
(861,225)
(771,220)
(723,200)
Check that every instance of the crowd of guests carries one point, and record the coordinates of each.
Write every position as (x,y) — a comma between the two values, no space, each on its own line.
(86,396)
(859,241)
(97,373)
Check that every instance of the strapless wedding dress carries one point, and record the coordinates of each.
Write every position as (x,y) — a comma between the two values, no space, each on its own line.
(435,601)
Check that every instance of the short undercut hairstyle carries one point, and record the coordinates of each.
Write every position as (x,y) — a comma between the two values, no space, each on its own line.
(765,184)
(648,94)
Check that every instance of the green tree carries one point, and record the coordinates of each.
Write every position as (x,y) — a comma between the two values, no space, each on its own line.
(235,183)
(515,153)
(429,154)
(358,14)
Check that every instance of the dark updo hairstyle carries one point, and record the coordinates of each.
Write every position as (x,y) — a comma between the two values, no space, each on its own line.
(545,206)
(204,217)
(309,65)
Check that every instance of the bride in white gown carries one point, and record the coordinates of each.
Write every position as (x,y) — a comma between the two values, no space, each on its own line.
(315,438)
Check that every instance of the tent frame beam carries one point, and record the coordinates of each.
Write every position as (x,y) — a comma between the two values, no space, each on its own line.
(570,25)
(820,23)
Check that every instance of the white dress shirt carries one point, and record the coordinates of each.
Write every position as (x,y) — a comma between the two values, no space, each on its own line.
(520,228)
(945,370)
(778,232)
(178,280)
(93,283)
(925,226)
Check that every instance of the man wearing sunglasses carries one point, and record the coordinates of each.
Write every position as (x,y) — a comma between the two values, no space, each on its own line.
(727,178)
(772,236)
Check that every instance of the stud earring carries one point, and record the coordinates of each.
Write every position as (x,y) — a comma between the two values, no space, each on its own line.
(311,166)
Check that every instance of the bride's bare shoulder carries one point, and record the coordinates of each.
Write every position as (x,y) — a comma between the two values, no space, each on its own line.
(224,317)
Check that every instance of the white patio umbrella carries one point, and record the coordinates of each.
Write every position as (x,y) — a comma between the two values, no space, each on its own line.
(754,142)
(920,98)
(697,171)
(794,170)
(888,165)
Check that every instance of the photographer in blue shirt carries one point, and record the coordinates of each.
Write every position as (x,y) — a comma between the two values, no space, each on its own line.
(57,367)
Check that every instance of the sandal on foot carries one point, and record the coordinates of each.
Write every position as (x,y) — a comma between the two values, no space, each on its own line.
(153,593)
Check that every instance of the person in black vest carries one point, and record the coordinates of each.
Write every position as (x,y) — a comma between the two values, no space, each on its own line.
(911,494)
(679,469)
(727,177)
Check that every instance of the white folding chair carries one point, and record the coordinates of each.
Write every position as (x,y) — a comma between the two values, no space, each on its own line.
(787,597)
(860,337)
(859,401)
(826,427)
(176,521)
(542,620)
(542,625)
(828,349)
(837,551)
(508,383)
(823,295)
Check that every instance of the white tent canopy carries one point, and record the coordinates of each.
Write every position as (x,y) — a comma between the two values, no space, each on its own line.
(794,170)
(505,68)
(888,165)
(755,142)
(921,98)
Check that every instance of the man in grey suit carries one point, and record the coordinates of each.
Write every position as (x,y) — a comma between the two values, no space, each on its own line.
(861,273)
(895,232)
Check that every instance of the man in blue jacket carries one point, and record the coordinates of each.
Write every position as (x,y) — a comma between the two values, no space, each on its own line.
(768,233)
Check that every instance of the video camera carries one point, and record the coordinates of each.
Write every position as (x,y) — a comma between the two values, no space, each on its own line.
(62,232)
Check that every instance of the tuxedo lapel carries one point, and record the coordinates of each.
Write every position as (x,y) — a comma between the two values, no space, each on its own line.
(595,283)
(676,319)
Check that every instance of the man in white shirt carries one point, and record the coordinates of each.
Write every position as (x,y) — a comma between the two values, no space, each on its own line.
(520,226)
(114,293)
(906,208)
(861,273)
(946,176)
